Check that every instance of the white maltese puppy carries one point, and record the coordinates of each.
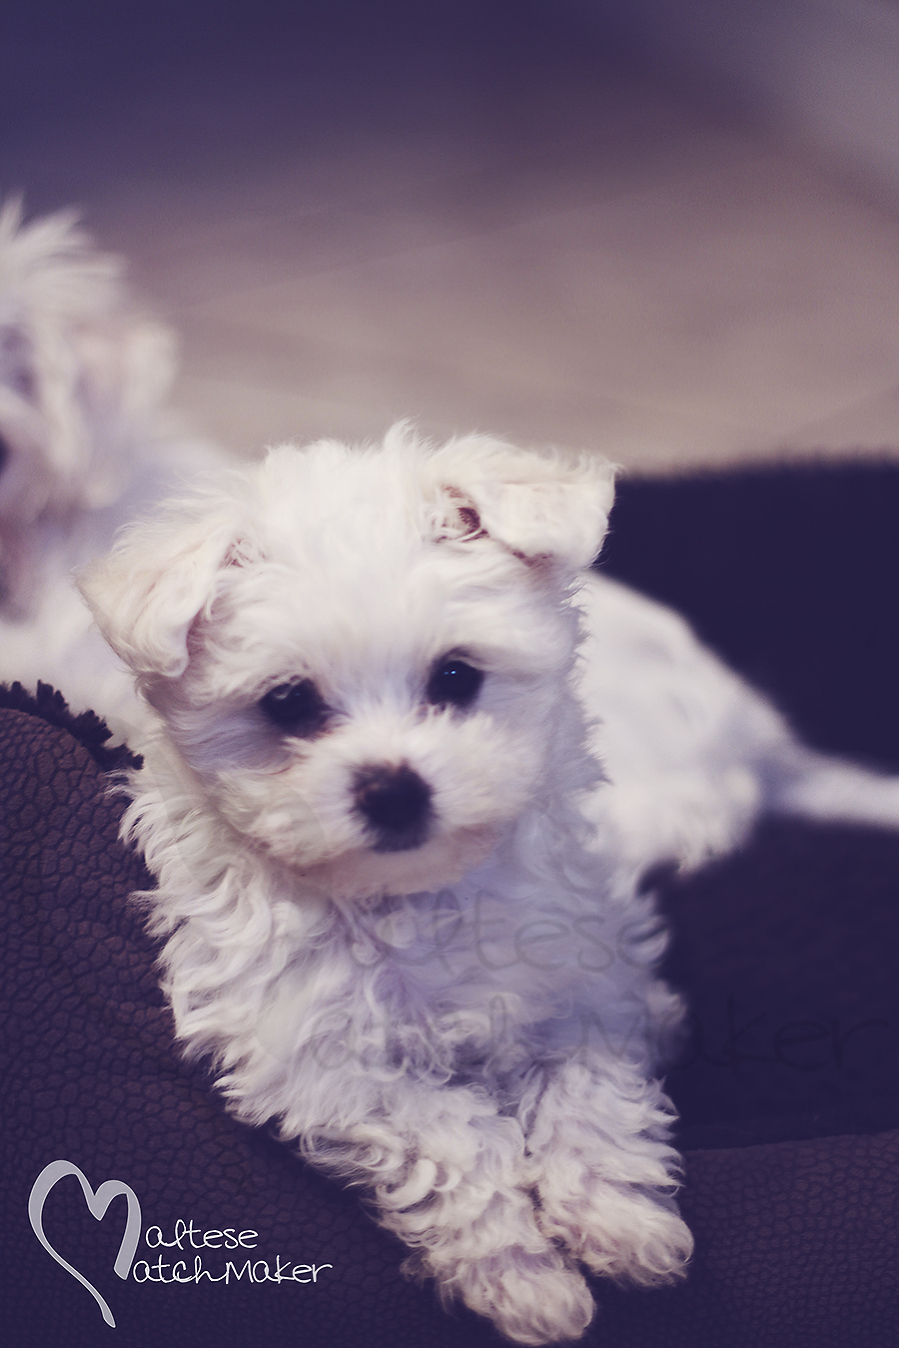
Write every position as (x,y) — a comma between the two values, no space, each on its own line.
(84,445)
(400,913)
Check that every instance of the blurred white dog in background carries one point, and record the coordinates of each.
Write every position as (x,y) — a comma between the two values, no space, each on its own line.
(86,443)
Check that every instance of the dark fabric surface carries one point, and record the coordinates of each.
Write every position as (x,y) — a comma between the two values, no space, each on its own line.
(792,577)
(788,1086)
(784,951)
(786,954)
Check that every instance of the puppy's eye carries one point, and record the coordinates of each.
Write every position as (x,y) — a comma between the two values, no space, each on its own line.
(297,708)
(454,683)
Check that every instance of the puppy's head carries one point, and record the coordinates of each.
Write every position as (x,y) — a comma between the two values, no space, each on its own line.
(364,654)
(79,373)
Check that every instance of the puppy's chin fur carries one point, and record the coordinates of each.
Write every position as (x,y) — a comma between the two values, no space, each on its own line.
(364,874)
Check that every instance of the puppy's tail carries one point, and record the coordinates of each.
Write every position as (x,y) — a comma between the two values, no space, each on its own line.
(816,786)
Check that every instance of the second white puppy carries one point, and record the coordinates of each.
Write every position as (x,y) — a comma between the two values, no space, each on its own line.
(385,915)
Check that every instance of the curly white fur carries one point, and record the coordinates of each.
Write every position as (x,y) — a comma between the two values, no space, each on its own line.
(464,1022)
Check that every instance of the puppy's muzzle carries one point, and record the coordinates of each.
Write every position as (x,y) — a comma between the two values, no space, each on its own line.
(396,803)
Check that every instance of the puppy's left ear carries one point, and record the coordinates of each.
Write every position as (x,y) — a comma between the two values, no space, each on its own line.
(543,508)
(161,575)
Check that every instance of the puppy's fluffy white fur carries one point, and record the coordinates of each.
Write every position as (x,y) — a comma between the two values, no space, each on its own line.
(85,444)
(402,916)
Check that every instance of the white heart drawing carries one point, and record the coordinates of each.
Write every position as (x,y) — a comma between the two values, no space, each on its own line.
(97,1204)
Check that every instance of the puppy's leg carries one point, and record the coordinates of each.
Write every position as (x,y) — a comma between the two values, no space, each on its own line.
(604,1172)
(448,1172)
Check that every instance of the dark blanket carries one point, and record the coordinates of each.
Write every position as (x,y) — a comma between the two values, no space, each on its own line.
(788,1088)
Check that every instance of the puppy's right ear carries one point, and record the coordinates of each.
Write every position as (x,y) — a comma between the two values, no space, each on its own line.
(157,580)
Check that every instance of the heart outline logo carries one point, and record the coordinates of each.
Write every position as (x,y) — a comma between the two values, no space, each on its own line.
(97,1204)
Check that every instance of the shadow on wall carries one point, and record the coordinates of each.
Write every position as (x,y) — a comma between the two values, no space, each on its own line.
(829,69)
(57,57)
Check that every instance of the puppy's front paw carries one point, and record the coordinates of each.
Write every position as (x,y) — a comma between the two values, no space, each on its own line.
(620,1232)
(531,1298)
(605,1175)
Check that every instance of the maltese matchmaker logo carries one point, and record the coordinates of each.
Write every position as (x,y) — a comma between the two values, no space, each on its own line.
(179,1258)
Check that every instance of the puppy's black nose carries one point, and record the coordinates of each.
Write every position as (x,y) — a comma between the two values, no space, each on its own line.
(397,804)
